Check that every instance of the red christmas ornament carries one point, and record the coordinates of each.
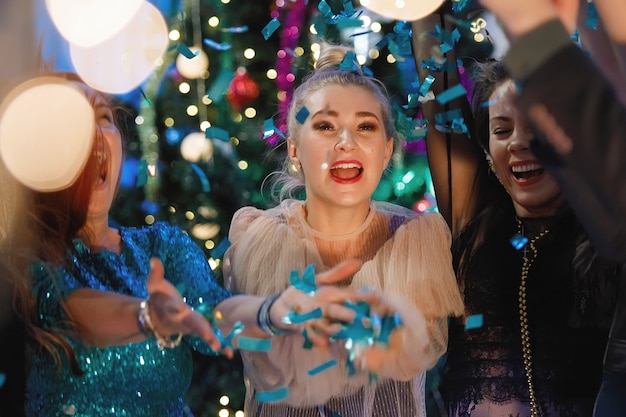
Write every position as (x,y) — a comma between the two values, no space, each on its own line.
(242,89)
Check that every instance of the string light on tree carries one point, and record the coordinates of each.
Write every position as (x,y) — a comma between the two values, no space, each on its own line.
(193,68)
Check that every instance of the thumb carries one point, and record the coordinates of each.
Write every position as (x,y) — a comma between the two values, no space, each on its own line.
(339,273)
(155,276)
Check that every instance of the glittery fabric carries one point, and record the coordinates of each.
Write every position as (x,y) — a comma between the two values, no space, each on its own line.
(133,380)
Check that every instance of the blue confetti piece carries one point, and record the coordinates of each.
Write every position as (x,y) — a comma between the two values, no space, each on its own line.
(228,340)
(217,45)
(302,115)
(186,52)
(220,85)
(518,241)
(254,344)
(270,28)
(306,283)
(354,35)
(217,133)
(299,318)
(269,129)
(349,62)
(474,321)
(325,9)
(592,16)
(321,368)
(204,181)
(235,29)
(221,248)
(428,81)
(342,22)
(307,342)
(3,379)
(488,103)
(272,396)
(142,173)
(451,93)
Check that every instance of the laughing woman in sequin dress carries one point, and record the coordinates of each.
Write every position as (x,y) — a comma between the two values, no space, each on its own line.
(107,321)
(547,307)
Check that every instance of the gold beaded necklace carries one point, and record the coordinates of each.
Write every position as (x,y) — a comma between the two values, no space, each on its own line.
(527,261)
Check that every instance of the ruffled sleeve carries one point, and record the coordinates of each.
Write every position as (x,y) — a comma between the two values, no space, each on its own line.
(257,264)
(414,270)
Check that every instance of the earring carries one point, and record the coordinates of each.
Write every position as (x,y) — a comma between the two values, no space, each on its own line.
(492,167)
(295,165)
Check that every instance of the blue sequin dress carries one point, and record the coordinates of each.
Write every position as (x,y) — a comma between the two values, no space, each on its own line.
(138,379)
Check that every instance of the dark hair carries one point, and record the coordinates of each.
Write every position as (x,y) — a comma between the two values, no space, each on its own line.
(496,205)
(486,77)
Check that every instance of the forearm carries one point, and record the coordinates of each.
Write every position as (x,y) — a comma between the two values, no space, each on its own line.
(103,318)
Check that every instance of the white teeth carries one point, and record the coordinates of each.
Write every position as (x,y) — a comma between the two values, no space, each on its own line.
(101,156)
(526,168)
(346,166)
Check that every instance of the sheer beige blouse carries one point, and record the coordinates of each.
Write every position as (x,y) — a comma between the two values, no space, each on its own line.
(406,256)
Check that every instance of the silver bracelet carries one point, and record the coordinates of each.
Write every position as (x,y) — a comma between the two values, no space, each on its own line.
(263,317)
(147,328)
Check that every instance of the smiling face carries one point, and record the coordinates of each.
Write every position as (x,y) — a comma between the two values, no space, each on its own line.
(533,191)
(109,155)
(342,147)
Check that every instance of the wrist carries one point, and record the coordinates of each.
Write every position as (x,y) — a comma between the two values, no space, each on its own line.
(265,321)
(148,328)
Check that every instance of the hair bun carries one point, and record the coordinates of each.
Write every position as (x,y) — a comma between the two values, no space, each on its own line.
(331,56)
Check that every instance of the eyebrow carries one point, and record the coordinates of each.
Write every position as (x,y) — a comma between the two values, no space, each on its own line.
(335,114)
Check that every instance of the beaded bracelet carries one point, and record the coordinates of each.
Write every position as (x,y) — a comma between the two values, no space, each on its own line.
(263,317)
(147,328)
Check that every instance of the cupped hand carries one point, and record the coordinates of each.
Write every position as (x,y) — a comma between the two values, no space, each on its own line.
(170,315)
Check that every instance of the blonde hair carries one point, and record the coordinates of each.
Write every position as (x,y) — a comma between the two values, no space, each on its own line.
(328,70)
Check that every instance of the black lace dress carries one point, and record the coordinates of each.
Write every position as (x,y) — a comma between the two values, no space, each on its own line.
(569,314)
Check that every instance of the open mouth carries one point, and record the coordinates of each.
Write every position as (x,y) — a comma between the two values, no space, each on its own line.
(527,172)
(104,167)
(346,171)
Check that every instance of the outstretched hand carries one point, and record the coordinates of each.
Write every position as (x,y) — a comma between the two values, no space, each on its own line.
(171,315)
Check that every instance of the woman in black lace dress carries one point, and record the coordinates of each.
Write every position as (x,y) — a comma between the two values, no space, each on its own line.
(546,304)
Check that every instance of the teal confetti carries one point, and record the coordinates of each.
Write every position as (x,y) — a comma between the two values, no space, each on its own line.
(299,318)
(321,368)
(220,85)
(269,129)
(142,174)
(228,340)
(306,283)
(220,249)
(354,35)
(349,62)
(518,241)
(272,396)
(320,25)
(145,97)
(592,16)
(217,45)
(235,29)
(428,81)
(254,344)
(307,342)
(474,321)
(342,22)
(3,379)
(186,52)
(302,115)
(270,28)
(217,133)
(204,181)
(451,93)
